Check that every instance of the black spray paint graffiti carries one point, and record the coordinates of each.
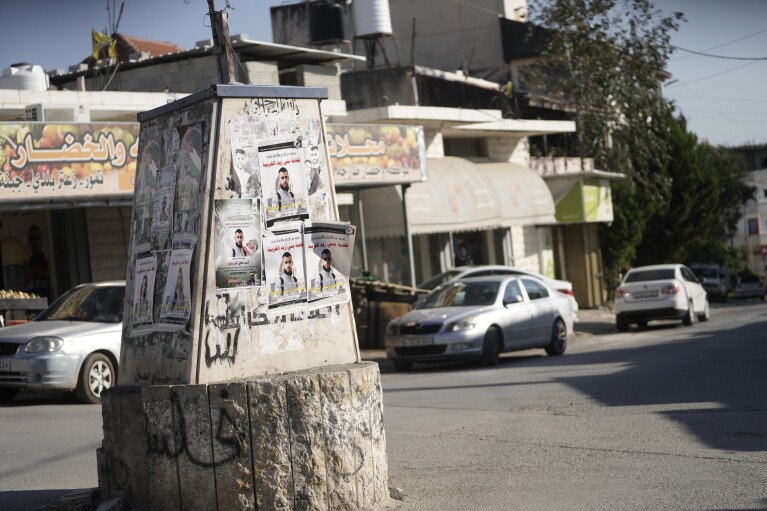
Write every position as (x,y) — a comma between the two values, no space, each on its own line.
(229,352)
(230,438)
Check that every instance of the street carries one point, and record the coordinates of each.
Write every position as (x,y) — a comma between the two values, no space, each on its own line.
(667,418)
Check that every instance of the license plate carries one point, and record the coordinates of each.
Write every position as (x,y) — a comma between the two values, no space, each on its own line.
(645,294)
(5,365)
(418,341)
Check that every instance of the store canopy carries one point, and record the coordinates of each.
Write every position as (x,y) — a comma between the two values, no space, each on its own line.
(460,196)
(522,194)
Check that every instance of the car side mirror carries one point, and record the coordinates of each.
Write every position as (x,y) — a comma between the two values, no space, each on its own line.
(512,299)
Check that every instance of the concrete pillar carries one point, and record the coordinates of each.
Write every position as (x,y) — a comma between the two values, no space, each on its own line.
(313,440)
(224,402)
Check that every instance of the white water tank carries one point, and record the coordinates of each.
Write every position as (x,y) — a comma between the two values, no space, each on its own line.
(24,76)
(372,18)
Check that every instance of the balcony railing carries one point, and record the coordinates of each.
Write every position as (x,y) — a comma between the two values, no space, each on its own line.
(551,166)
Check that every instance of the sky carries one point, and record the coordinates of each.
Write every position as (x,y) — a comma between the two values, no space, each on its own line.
(724,100)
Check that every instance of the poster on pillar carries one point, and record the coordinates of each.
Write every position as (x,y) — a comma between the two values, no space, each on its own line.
(329,247)
(245,132)
(284,269)
(165,191)
(187,198)
(237,243)
(280,163)
(146,180)
(143,294)
(176,308)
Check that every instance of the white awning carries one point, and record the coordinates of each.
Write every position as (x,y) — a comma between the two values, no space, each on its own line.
(460,196)
(523,195)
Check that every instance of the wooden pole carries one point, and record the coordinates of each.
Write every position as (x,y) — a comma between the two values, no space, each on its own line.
(219,25)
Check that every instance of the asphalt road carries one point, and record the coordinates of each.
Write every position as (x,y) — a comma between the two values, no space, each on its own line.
(667,418)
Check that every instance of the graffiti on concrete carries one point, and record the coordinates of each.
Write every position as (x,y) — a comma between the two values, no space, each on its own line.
(231,438)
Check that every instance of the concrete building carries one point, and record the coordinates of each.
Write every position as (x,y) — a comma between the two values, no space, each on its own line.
(751,234)
(471,51)
(81,203)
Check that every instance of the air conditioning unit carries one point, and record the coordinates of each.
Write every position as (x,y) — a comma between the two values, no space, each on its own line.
(58,113)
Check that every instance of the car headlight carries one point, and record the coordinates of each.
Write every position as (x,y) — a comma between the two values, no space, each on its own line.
(464,324)
(392,328)
(44,344)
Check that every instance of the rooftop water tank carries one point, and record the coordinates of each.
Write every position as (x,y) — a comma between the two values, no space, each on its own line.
(372,18)
(24,76)
(326,22)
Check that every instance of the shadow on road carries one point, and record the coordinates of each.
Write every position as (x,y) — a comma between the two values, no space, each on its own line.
(710,382)
(29,500)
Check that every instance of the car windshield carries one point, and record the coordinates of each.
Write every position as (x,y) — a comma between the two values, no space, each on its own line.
(87,303)
(747,278)
(706,273)
(646,275)
(438,279)
(462,294)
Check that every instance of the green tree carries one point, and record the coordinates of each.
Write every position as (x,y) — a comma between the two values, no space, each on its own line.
(606,58)
(704,205)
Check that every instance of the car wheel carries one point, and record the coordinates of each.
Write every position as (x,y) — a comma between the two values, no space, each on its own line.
(621,325)
(402,366)
(96,375)
(490,347)
(642,324)
(558,338)
(7,395)
(706,311)
(690,316)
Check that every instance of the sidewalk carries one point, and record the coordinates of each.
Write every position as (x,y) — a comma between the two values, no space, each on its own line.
(590,322)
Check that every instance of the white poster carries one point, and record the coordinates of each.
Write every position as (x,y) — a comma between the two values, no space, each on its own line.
(329,247)
(245,132)
(237,243)
(176,308)
(284,268)
(283,182)
(143,294)
(165,192)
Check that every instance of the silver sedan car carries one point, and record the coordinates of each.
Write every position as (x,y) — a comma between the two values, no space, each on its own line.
(74,344)
(479,318)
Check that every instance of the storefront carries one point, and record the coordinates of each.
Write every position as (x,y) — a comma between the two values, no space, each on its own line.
(466,213)
(65,201)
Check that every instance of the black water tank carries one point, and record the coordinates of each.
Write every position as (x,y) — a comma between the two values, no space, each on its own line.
(326,22)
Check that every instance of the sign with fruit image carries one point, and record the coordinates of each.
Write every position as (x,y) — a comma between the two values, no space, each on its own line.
(376,154)
(56,160)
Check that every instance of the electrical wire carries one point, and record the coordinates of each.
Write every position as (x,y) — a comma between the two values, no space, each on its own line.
(717,56)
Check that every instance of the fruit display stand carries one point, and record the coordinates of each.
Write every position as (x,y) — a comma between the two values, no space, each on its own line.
(17,310)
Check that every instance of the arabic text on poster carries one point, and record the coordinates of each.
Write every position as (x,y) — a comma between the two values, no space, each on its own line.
(284,268)
(237,243)
(143,294)
(329,247)
(283,182)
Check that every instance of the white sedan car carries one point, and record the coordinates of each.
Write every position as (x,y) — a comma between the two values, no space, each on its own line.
(663,291)
(479,318)
(74,344)
(563,286)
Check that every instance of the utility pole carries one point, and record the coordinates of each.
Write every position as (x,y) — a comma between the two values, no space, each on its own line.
(219,25)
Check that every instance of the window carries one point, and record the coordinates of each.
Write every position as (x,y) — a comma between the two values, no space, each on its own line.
(688,275)
(512,292)
(649,275)
(753,226)
(535,290)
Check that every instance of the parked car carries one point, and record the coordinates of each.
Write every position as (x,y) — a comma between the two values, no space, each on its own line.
(715,279)
(479,318)
(749,286)
(663,291)
(74,344)
(459,272)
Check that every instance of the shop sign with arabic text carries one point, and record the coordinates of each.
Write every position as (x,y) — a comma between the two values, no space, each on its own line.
(56,160)
(367,154)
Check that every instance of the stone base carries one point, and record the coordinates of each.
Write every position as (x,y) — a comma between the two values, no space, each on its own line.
(301,441)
